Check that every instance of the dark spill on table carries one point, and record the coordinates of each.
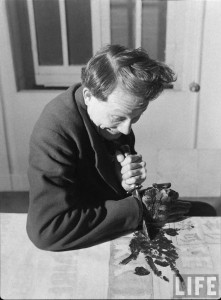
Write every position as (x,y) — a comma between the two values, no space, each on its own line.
(158,251)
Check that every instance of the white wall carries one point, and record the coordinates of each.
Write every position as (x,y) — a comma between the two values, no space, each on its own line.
(20,110)
(209,135)
(197,171)
(193,172)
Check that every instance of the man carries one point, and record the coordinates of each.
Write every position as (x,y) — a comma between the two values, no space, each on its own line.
(81,179)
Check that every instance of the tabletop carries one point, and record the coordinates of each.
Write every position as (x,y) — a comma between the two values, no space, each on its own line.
(183,261)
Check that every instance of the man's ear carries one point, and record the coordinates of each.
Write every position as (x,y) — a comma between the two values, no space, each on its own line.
(87,95)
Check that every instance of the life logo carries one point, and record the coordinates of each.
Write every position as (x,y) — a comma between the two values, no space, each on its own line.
(201,286)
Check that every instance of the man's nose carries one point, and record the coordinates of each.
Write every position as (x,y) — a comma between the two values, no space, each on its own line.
(125,127)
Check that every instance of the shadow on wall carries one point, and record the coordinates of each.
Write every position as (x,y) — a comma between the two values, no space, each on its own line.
(17,202)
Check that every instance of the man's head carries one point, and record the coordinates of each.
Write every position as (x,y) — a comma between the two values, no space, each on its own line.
(118,85)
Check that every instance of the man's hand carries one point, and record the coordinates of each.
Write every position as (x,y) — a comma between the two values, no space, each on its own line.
(162,206)
(133,170)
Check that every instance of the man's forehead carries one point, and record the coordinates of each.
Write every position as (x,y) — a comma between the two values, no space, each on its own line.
(125,100)
(122,111)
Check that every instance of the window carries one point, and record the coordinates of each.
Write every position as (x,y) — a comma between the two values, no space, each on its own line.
(139,23)
(62,44)
(64,34)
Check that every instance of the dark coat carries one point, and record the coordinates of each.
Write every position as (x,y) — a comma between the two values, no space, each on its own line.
(76,200)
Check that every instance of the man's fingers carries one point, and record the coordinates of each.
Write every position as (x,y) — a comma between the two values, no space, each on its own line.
(134,173)
(131,159)
(135,180)
(133,170)
(119,156)
(133,166)
(128,187)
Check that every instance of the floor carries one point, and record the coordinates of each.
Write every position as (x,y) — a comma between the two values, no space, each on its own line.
(17,202)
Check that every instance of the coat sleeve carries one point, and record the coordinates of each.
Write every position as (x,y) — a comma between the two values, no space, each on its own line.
(58,218)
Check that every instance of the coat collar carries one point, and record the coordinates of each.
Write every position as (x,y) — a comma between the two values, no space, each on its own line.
(102,161)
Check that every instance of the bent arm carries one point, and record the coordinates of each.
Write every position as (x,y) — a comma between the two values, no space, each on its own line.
(59,219)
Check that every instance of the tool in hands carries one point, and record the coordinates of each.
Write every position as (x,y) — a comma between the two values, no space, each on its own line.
(160,203)
(135,190)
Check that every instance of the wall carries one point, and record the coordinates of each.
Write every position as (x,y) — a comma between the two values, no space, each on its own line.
(20,111)
(197,171)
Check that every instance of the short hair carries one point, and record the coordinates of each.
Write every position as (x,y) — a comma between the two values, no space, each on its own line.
(140,75)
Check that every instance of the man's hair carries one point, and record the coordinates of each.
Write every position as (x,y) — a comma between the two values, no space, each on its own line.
(133,69)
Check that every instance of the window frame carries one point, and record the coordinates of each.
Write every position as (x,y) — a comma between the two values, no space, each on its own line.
(180,32)
(66,74)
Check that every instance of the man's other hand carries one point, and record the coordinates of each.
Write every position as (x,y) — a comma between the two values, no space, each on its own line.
(163,206)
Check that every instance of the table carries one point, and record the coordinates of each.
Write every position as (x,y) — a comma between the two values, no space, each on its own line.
(106,271)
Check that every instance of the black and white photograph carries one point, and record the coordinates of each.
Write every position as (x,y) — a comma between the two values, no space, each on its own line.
(110,149)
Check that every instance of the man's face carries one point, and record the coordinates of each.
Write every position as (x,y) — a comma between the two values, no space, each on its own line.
(116,115)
